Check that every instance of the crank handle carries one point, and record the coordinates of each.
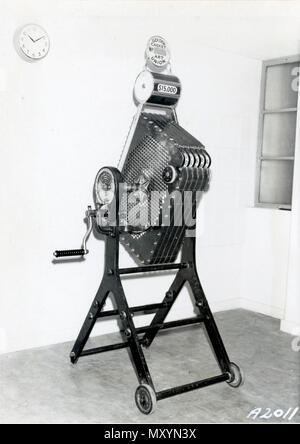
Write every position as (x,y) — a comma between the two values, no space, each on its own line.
(65,253)
(83,250)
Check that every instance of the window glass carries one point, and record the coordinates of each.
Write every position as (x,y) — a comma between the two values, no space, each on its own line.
(279,134)
(281,82)
(276,181)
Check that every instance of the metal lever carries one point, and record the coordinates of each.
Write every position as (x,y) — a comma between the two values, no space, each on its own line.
(83,250)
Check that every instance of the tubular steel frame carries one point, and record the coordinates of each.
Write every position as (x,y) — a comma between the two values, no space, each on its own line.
(135,338)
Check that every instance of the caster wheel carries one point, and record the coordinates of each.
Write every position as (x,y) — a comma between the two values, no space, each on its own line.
(145,399)
(237,376)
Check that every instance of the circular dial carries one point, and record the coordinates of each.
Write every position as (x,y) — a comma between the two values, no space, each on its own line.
(105,187)
(34,42)
(157,53)
(169,174)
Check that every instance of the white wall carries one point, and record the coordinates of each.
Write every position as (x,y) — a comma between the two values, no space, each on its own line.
(63,118)
(68,115)
(291,318)
(265,261)
(265,248)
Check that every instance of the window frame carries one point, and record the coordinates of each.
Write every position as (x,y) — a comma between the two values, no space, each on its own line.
(262,113)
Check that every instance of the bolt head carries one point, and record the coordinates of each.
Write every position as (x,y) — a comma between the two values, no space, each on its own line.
(146,343)
(169,294)
(127,332)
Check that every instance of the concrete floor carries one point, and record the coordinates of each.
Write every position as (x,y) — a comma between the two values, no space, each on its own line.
(40,386)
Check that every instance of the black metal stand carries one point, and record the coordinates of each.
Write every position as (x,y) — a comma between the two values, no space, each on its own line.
(146,396)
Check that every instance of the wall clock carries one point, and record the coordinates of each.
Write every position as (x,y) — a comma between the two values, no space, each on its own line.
(33,42)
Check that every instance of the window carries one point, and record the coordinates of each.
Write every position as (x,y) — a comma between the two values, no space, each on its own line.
(277,130)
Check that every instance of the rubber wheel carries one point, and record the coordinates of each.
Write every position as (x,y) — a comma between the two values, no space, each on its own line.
(145,399)
(237,376)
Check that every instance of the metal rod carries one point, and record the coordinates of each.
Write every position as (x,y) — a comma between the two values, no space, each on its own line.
(119,345)
(105,348)
(192,386)
(148,307)
(149,268)
(172,324)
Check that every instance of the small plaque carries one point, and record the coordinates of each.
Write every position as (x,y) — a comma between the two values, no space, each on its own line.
(157,53)
(167,89)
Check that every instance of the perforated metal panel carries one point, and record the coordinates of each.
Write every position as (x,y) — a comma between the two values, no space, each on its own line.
(156,142)
(137,163)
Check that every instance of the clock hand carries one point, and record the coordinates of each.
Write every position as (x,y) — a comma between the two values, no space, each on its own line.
(40,38)
(31,38)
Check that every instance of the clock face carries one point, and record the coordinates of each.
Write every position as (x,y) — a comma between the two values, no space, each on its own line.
(34,42)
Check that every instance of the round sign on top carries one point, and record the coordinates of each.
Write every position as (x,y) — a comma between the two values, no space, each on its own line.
(157,53)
